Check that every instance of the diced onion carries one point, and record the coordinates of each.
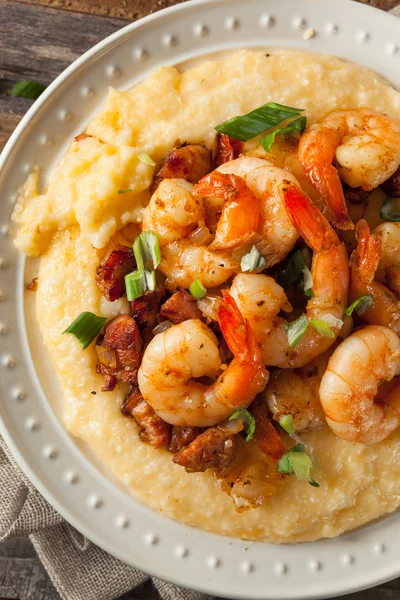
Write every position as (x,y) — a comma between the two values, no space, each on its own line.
(107,356)
(209,306)
(201,236)
(161,327)
(332,321)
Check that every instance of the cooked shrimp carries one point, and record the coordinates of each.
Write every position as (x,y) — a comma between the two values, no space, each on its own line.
(175,358)
(260,298)
(366,146)
(350,384)
(364,263)
(296,393)
(388,270)
(263,179)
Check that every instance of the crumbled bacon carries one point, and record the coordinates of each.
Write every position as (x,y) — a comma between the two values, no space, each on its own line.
(190,162)
(81,136)
(112,270)
(32,286)
(227,149)
(355,195)
(212,449)
(154,430)
(123,341)
(180,307)
(146,308)
(265,434)
(392,185)
(182,436)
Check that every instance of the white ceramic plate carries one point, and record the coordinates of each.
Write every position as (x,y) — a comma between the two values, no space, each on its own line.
(58,465)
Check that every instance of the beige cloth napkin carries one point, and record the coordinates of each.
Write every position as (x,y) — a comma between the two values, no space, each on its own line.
(79,569)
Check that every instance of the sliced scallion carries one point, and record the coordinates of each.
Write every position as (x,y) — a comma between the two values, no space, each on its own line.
(25,88)
(144,157)
(137,283)
(295,330)
(297,462)
(308,282)
(248,421)
(296,126)
(361,305)
(197,289)
(86,328)
(126,191)
(147,250)
(252,261)
(246,127)
(390,210)
(286,422)
(322,328)
(293,267)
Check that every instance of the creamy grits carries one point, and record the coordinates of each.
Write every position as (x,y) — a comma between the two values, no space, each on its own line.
(81,214)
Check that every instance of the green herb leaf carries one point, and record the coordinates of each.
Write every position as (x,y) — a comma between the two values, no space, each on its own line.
(390,210)
(197,289)
(308,282)
(295,330)
(293,267)
(286,422)
(361,305)
(144,157)
(86,328)
(248,421)
(125,191)
(297,462)
(147,250)
(322,328)
(25,88)
(296,126)
(253,261)
(137,283)
(246,127)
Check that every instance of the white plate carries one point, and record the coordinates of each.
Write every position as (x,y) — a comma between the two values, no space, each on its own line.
(61,469)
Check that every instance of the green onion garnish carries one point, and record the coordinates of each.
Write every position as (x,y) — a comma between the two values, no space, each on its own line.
(197,289)
(86,327)
(286,422)
(25,88)
(125,191)
(144,157)
(308,282)
(246,127)
(295,330)
(248,421)
(137,283)
(297,462)
(390,210)
(296,126)
(253,261)
(293,267)
(361,305)
(147,250)
(322,328)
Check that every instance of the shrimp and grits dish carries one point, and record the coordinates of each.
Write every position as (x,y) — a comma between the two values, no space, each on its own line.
(219,292)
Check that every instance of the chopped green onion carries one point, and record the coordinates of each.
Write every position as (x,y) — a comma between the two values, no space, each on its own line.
(86,327)
(295,330)
(390,210)
(125,191)
(296,126)
(248,421)
(147,250)
(286,422)
(197,289)
(293,267)
(297,462)
(361,305)
(332,321)
(246,127)
(25,88)
(322,328)
(308,282)
(144,157)
(136,283)
(253,261)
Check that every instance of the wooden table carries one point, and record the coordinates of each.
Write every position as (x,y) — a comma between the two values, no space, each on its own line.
(38,40)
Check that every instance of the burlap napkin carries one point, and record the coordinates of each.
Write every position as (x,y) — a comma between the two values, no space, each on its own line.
(79,569)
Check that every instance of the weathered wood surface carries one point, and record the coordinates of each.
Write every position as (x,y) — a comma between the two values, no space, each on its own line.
(38,39)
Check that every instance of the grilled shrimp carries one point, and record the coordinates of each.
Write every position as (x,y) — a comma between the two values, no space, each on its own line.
(366,146)
(263,179)
(349,387)
(177,216)
(388,270)
(364,263)
(260,298)
(175,358)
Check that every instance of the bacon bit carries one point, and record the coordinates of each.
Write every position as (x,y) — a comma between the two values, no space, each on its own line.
(146,308)
(121,335)
(33,285)
(154,430)
(227,149)
(265,434)
(213,449)
(392,185)
(182,436)
(180,307)
(81,136)
(190,162)
(112,270)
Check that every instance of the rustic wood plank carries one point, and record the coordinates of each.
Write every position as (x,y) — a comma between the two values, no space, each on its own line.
(129,10)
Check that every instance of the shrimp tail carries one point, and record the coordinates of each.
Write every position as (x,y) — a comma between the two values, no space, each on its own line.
(220,185)
(368,253)
(237,332)
(328,182)
(307,218)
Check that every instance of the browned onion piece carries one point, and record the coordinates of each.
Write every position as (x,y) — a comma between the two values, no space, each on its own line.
(201,236)
(107,356)
(161,327)
(209,306)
